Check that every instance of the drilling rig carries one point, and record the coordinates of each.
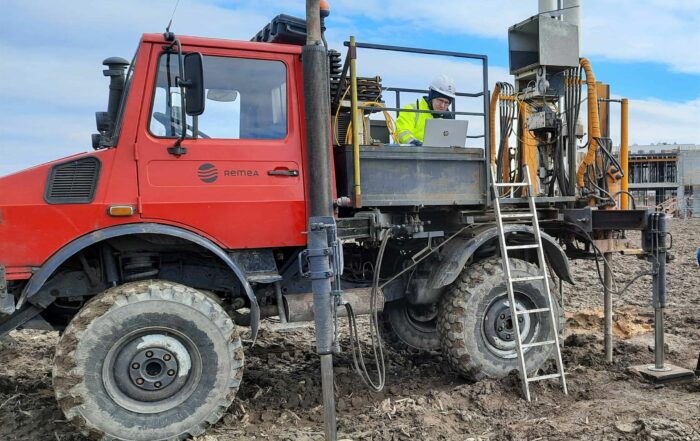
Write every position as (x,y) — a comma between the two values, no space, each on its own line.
(236,180)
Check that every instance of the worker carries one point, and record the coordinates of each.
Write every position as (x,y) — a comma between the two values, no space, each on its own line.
(410,126)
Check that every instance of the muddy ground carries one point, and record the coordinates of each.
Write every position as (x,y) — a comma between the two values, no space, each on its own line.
(280,395)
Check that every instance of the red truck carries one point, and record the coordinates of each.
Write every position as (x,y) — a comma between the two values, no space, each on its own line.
(190,218)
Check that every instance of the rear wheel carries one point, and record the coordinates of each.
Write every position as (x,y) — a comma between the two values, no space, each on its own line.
(412,327)
(476,327)
(149,360)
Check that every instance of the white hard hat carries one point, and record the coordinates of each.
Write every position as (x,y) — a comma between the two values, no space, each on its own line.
(444,85)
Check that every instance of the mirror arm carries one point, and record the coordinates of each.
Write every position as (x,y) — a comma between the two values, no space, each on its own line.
(177,149)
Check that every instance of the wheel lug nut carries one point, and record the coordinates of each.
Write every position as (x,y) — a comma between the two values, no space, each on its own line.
(503,316)
(135,366)
(500,328)
(139,381)
(157,384)
(171,372)
(149,354)
(167,357)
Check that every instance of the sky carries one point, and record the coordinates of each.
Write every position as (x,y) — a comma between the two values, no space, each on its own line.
(52,53)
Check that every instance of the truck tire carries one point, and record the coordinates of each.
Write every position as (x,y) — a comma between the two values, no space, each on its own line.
(412,328)
(148,360)
(475,326)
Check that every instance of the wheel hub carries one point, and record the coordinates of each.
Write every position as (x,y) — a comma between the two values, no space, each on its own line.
(421,314)
(153,369)
(499,328)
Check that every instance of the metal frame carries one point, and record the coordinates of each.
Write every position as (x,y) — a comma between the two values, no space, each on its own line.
(484,92)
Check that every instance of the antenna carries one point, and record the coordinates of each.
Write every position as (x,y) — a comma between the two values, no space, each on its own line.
(167,28)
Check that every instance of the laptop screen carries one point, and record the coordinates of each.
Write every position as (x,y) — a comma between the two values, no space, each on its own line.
(445,132)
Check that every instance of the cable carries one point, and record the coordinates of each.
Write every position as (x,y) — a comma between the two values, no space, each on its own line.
(596,253)
(335,119)
(634,202)
(634,279)
(377,349)
(388,119)
(425,256)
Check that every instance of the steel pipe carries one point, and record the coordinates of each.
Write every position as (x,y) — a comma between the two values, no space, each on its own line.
(299,307)
(608,307)
(658,257)
(317,116)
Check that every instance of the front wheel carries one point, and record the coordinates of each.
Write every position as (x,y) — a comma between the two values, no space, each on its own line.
(476,327)
(149,360)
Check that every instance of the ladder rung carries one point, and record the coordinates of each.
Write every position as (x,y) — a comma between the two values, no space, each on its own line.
(531,311)
(539,343)
(510,184)
(543,377)
(515,215)
(525,279)
(522,247)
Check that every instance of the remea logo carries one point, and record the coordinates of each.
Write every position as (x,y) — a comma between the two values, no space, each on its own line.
(208,173)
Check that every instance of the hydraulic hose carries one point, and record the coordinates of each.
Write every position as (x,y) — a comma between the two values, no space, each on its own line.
(593,123)
(529,149)
(494,101)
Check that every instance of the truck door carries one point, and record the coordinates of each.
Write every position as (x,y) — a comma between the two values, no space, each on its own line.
(241,180)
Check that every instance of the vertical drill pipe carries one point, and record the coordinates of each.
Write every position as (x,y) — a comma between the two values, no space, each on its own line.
(624,151)
(352,53)
(608,312)
(323,321)
(659,286)
(328,392)
(317,130)
(317,112)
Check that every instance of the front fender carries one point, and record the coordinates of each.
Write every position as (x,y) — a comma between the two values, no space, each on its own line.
(457,252)
(47,269)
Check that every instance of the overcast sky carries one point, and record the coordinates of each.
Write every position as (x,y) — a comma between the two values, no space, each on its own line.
(52,52)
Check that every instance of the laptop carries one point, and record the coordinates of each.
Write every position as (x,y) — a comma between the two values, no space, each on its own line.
(441,132)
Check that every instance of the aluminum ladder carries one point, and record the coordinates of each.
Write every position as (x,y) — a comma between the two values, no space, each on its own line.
(531,214)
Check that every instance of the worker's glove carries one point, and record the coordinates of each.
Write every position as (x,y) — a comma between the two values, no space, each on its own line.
(416,143)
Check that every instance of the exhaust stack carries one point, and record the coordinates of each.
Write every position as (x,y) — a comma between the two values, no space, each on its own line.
(106,121)
(116,68)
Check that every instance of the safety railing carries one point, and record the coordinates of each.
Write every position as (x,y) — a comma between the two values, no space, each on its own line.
(350,64)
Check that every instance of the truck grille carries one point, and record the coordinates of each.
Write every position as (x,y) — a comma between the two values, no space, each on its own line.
(73,182)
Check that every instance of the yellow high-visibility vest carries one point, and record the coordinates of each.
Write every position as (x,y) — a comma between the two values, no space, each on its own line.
(411,125)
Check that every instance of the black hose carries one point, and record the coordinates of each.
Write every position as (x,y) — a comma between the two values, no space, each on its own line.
(634,202)
(377,349)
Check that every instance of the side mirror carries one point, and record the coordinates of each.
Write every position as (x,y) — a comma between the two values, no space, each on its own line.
(194,84)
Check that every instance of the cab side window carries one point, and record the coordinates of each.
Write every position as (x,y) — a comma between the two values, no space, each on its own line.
(245,99)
